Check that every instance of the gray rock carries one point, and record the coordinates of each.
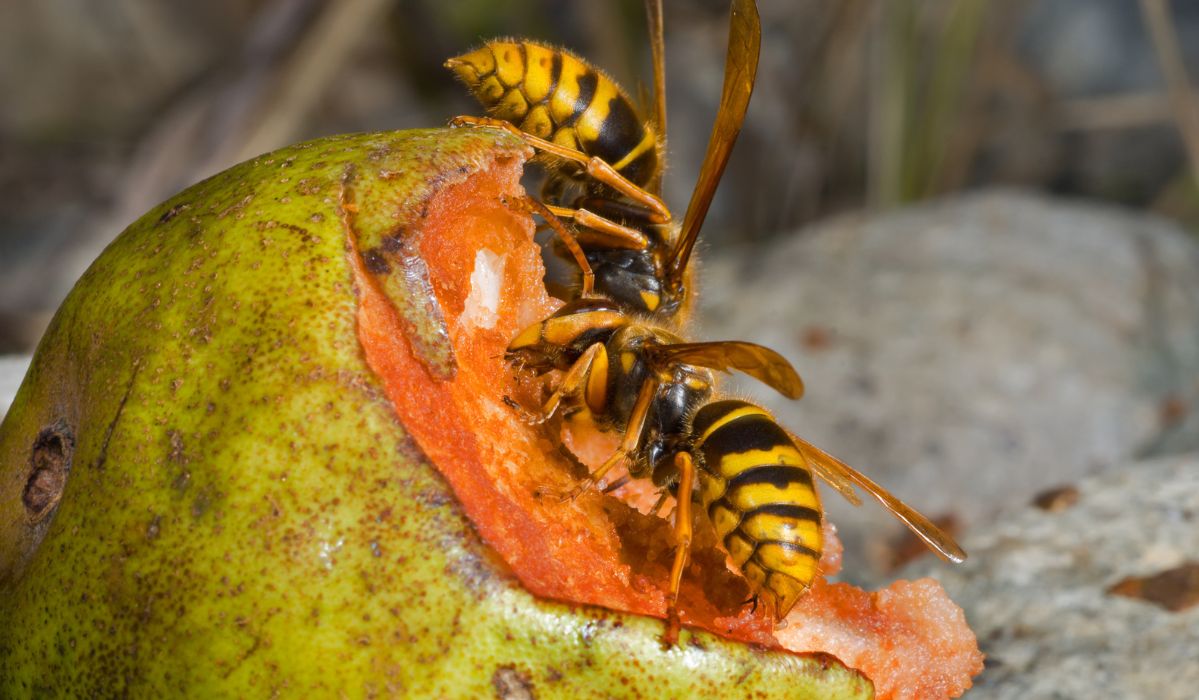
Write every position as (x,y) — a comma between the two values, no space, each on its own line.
(12,371)
(1034,590)
(1100,47)
(972,352)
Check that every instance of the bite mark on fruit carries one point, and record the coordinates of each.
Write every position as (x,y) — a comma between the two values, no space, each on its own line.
(399,272)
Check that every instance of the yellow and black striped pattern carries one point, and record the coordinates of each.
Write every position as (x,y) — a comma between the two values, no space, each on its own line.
(757,490)
(555,95)
(571,329)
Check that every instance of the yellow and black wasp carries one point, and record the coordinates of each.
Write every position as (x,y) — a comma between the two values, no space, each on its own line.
(608,361)
(751,477)
(625,240)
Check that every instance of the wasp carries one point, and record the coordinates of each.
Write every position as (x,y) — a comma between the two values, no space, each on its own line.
(626,242)
(751,477)
(610,359)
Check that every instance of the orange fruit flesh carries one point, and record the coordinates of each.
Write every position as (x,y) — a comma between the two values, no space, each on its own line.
(510,476)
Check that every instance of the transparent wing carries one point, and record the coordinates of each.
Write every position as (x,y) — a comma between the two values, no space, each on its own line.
(740,71)
(757,361)
(826,466)
(653,13)
(835,479)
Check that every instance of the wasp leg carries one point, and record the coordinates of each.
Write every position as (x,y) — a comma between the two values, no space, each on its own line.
(525,414)
(575,381)
(553,219)
(617,484)
(597,217)
(660,502)
(613,209)
(628,444)
(597,168)
(682,536)
(600,231)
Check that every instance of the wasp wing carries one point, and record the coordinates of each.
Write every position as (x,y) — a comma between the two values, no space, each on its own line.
(740,71)
(757,361)
(826,465)
(653,13)
(835,479)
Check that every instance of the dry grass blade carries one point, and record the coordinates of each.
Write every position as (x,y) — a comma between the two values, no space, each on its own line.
(318,59)
(1169,55)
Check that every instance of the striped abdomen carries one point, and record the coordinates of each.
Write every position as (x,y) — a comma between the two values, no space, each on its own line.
(552,94)
(757,490)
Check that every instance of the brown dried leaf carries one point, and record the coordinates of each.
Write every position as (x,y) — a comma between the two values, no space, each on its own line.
(1174,589)
(1056,499)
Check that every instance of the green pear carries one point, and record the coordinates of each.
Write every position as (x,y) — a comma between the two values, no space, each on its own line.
(205,493)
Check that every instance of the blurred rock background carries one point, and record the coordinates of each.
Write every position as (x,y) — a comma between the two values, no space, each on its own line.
(969,224)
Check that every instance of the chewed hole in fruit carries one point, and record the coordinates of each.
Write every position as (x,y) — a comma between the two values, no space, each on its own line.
(598,548)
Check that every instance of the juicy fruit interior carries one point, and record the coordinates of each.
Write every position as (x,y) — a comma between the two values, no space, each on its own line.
(599,549)
(487,276)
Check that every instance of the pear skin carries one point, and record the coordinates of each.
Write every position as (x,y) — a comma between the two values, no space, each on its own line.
(205,492)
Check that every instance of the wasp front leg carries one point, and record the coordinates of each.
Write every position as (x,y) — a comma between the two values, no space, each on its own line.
(583,380)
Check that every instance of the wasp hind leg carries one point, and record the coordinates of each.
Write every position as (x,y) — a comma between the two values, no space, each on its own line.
(682,536)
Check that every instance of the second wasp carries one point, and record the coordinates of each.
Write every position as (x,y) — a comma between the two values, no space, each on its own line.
(605,159)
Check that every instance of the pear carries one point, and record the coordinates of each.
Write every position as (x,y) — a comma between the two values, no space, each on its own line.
(205,491)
